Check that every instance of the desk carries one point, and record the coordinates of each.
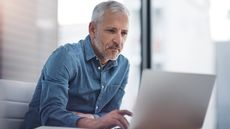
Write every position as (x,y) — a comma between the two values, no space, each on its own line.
(49,127)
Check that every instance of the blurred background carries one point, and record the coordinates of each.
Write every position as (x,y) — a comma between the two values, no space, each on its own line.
(169,35)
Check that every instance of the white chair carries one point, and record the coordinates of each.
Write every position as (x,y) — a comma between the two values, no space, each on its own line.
(14,99)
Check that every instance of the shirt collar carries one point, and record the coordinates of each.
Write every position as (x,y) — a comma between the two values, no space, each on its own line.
(89,52)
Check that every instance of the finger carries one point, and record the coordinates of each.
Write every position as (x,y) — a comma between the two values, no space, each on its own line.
(119,123)
(126,121)
(123,121)
(125,112)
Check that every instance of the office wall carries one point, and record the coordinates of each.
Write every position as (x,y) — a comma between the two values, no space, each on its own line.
(28,34)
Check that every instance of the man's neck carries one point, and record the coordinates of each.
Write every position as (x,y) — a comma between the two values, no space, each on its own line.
(103,61)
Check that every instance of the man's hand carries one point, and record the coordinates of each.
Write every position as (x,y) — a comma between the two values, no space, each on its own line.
(110,120)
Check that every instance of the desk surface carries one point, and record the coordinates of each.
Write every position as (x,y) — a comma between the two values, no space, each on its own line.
(48,127)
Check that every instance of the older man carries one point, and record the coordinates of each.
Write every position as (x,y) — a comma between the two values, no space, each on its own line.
(82,84)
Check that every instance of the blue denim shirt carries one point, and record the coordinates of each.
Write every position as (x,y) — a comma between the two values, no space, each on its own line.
(72,80)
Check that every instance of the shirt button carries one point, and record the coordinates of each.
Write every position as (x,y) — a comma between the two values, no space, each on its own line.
(99,68)
(102,86)
(96,107)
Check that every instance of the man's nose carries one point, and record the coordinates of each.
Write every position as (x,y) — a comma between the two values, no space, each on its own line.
(118,39)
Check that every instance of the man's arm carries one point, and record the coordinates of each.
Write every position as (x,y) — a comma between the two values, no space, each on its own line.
(54,93)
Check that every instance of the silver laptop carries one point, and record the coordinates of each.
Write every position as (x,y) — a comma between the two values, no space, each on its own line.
(169,100)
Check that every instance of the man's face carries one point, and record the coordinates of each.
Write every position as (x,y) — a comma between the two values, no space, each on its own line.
(109,35)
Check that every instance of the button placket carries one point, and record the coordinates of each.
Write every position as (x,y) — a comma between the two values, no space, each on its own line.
(102,86)
(102,83)
(99,99)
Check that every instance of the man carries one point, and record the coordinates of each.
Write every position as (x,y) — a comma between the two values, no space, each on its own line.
(82,84)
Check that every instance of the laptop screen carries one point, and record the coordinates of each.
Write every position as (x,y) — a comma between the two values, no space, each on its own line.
(172,100)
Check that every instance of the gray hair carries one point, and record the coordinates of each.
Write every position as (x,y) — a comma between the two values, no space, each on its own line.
(114,6)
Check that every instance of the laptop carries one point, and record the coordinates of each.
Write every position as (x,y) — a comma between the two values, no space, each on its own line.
(170,100)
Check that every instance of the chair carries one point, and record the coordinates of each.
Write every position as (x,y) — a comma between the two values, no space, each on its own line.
(14,99)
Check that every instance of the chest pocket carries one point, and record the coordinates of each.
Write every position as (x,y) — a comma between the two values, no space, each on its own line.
(112,97)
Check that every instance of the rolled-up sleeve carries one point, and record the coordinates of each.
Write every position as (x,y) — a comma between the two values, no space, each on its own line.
(57,73)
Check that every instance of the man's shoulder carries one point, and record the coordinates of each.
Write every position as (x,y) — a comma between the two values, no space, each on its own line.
(123,60)
(69,52)
(71,48)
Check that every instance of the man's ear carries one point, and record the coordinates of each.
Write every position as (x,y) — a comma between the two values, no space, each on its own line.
(92,29)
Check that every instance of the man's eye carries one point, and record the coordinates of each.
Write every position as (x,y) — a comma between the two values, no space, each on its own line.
(111,31)
(124,33)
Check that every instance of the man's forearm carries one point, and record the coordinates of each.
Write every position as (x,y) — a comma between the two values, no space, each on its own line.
(85,122)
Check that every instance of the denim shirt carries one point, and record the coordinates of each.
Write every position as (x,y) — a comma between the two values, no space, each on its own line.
(72,80)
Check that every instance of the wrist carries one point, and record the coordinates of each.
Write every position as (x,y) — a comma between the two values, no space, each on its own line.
(86,122)
(95,116)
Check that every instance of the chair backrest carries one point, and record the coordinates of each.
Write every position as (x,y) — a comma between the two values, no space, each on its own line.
(14,99)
